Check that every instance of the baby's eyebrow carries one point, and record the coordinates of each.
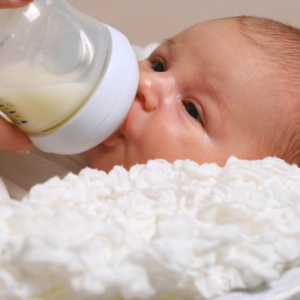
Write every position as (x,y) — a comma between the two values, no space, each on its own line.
(168,41)
(210,89)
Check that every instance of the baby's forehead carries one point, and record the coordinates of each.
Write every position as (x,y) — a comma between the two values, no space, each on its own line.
(222,29)
(224,23)
(217,33)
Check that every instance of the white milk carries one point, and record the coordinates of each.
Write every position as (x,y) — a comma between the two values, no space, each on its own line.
(35,100)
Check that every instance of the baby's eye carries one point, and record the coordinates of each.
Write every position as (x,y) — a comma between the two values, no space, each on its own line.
(158,66)
(192,111)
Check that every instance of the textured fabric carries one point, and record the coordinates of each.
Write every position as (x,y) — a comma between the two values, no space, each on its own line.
(159,231)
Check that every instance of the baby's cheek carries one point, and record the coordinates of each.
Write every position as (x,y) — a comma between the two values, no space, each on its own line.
(92,157)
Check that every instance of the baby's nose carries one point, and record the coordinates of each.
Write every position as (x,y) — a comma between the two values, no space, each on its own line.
(149,89)
(156,88)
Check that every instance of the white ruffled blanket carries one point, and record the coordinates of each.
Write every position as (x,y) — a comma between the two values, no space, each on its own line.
(158,231)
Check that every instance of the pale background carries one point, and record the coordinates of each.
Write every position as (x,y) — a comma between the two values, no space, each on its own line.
(146,21)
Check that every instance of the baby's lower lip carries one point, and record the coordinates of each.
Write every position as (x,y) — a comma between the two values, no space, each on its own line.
(112,140)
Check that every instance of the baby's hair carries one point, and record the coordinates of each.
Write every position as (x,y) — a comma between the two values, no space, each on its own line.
(281,43)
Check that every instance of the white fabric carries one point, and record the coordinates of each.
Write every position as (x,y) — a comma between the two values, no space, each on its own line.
(159,231)
(4,195)
(144,52)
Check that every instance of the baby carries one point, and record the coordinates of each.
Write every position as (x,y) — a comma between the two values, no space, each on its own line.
(227,87)
(221,88)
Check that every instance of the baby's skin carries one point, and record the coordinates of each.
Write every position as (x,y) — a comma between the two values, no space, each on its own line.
(205,94)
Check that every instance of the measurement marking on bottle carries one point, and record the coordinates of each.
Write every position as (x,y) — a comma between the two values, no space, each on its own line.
(10,110)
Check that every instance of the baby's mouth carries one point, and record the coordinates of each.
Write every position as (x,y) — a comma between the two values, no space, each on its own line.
(114,139)
(120,134)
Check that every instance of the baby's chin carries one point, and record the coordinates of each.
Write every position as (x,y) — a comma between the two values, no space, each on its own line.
(105,157)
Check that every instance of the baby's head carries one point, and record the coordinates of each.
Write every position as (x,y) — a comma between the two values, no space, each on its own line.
(227,87)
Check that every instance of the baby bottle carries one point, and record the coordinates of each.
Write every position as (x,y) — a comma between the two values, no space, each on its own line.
(66,80)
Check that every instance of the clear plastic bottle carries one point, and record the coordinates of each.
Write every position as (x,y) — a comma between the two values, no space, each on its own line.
(66,80)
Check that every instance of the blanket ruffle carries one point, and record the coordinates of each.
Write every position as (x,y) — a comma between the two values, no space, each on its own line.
(158,231)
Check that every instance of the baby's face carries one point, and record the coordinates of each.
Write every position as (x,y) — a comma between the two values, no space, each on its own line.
(203,95)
